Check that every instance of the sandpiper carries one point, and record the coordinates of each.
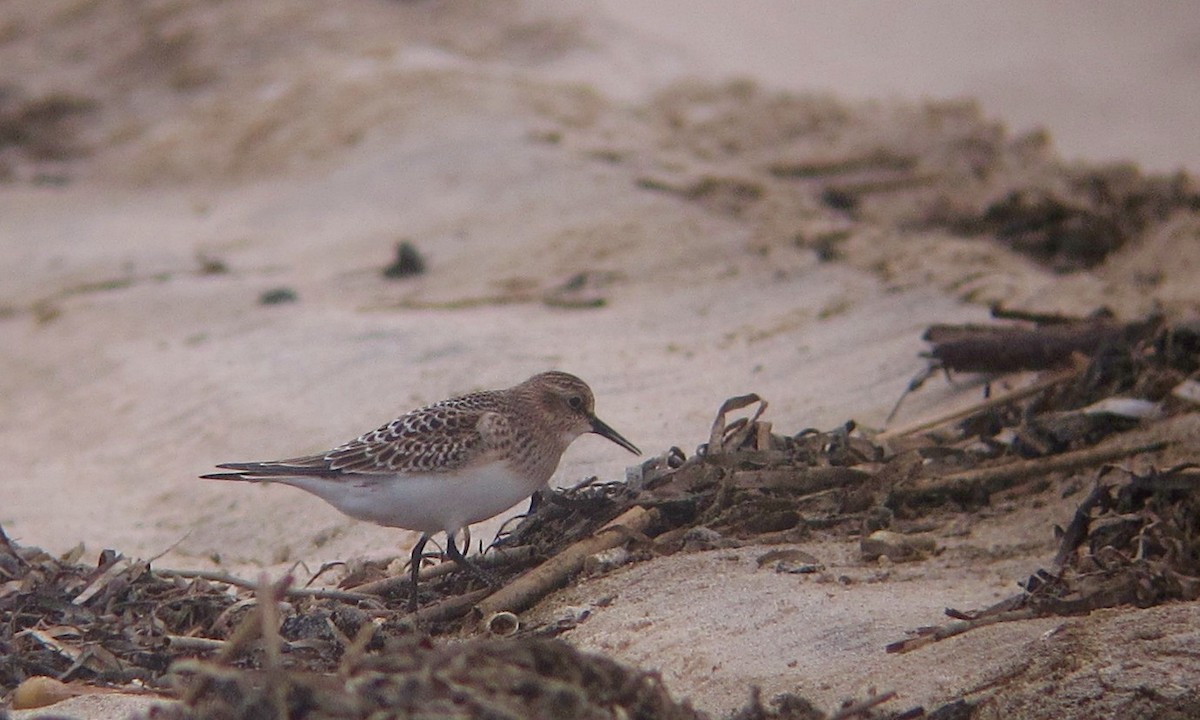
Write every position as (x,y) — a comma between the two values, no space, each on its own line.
(447,465)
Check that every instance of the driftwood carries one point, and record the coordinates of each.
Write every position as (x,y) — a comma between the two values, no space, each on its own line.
(1004,349)
(801,482)
(997,349)
(452,607)
(1034,388)
(928,635)
(1127,585)
(535,584)
(974,484)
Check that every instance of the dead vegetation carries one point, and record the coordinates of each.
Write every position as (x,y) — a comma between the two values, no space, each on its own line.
(967,176)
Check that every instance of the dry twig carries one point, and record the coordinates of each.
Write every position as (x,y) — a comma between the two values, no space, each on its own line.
(533,585)
(998,401)
(352,596)
(982,482)
(929,635)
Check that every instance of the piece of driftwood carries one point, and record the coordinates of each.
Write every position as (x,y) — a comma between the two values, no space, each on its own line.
(875,160)
(1132,584)
(452,607)
(999,349)
(1040,385)
(216,576)
(114,567)
(800,482)
(368,593)
(535,584)
(493,558)
(928,635)
(48,640)
(972,485)
(1003,349)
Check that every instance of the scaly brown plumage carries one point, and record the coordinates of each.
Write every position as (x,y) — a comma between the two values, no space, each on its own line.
(450,464)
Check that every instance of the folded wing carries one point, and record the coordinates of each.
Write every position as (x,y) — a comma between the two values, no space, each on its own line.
(438,438)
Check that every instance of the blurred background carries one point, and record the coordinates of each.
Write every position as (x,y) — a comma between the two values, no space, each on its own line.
(1109,79)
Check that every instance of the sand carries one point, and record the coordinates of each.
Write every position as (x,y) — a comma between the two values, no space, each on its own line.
(239,148)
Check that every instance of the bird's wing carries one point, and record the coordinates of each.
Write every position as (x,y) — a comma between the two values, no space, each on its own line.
(438,438)
(434,439)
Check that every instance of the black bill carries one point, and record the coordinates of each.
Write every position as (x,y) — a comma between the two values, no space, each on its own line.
(603,430)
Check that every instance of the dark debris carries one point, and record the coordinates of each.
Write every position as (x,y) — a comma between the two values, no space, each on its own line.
(407,263)
(414,678)
(278,296)
(1078,227)
(42,128)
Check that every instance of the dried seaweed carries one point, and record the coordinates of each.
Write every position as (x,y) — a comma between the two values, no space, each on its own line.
(1134,543)
(45,127)
(1078,227)
(490,678)
(110,624)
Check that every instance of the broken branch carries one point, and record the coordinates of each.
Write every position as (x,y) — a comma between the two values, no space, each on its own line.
(975,483)
(533,585)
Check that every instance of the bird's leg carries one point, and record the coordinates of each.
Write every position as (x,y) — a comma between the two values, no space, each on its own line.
(461,560)
(535,500)
(415,569)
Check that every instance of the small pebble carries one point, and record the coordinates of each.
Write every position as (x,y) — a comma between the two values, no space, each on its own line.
(40,691)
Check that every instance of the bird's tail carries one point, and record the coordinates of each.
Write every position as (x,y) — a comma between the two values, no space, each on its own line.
(267,471)
(233,476)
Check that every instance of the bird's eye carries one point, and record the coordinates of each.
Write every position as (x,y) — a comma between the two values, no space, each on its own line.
(576,402)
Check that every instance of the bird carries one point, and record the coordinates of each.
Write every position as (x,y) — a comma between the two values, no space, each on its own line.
(445,466)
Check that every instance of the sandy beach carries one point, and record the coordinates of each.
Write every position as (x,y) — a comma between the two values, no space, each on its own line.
(622,155)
